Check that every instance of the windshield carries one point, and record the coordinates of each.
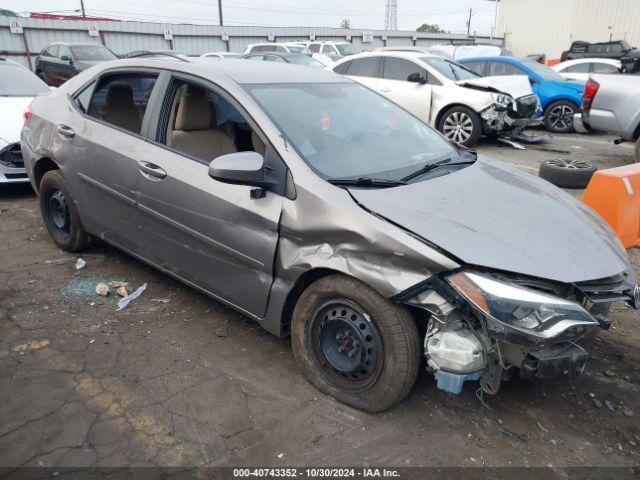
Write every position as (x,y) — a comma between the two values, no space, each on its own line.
(92,54)
(298,49)
(304,60)
(346,49)
(544,72)
(16,81)
(344,130)
(451,70)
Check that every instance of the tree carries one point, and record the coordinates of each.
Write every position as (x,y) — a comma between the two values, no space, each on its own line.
(345,23)
(426,28)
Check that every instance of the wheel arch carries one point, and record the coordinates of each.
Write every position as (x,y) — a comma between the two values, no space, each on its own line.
(42,166)
(448,107)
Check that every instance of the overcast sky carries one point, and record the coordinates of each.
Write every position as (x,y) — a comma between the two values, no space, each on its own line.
(451,15)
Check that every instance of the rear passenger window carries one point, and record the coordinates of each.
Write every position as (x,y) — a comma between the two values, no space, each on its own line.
(342,68)
(122,99)
(504,68)
(364,67)
(604,68)
(400,69)
(204,125)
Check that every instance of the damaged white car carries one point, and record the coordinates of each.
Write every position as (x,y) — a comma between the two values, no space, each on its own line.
(458,102)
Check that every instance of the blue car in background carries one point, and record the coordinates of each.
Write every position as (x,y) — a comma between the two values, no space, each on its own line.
(560,98)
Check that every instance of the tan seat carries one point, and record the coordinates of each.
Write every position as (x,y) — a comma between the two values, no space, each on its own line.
(119,108)
(258,145)
(193,133)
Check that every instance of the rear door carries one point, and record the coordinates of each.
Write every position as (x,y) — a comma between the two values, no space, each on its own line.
(365,70)
(50,64)
(217,236)
(395,85)
(102,138)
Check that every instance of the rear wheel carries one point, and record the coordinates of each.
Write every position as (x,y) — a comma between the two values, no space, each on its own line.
(355,345)
(60,214)
(461,125)
(558,117)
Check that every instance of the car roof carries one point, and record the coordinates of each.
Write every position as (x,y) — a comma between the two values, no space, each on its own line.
(499,58)
(76,44)
(576,61)
(278,54)
(240,71)
(394,53)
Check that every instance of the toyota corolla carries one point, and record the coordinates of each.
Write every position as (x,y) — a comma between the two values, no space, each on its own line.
(325,212)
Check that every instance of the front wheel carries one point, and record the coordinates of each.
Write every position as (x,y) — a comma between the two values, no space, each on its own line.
(461,125)
(558,117)
(355,345)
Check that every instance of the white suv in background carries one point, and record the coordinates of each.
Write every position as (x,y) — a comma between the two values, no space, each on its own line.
(334,50)
(288,47)
(450,97)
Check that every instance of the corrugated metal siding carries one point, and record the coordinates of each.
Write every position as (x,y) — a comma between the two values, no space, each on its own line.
(549,26)
(124,37)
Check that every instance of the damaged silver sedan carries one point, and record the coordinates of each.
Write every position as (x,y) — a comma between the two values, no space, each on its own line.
(326,212)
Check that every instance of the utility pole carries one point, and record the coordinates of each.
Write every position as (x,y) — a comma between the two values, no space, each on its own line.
(469,21)
(220,12)
(82,8)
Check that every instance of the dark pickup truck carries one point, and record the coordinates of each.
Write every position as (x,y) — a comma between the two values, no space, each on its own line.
(619,50)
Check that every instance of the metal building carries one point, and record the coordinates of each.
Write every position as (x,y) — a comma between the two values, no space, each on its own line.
(549,26)
(21,39)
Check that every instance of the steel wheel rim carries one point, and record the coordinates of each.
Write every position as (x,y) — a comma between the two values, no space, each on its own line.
(561,116)
(458,127)
(351,361)
(58,214)
(569,164)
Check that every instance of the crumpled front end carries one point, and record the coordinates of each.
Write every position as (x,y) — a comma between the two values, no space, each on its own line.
(486,326)
(507,115)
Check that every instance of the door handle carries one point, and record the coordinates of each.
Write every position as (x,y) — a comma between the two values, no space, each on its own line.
(152,169)
(66,131)
(385,89)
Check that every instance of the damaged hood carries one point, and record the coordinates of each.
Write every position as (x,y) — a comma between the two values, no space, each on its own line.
(495,216)
(515,85)
(12,117)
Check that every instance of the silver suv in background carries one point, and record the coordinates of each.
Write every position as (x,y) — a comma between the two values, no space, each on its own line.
(611,103)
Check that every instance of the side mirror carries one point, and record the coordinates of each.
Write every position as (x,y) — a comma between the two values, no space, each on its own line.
(416,78)
(532,81)
(243,168)
(66,58)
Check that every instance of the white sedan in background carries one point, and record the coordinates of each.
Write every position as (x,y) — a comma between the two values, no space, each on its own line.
(580,68)
(18,87)
(450,97)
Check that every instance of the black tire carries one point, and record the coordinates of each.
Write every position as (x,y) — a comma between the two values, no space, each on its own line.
(376,377)
(60,214)
(567,173)
(558,117)
(456,115)
(636,151)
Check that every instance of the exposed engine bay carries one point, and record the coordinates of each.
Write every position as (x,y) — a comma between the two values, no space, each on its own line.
(485,328)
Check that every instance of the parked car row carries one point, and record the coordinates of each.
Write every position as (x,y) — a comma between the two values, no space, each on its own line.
(326,212)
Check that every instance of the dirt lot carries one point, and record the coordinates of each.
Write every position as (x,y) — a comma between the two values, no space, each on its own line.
(186,381)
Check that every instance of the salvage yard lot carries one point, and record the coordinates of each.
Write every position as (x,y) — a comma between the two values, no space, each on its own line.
(177,379)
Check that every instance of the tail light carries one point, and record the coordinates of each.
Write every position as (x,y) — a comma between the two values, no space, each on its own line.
(590,90)
(27,113)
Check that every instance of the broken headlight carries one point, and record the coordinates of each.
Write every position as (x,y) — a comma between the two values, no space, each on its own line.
(538,314)
(503,102)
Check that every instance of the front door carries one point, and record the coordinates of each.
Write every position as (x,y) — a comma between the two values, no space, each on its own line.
(410,95)
(215,235)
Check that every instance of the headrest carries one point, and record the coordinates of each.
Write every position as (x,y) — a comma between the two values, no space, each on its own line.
(120,95)
(194,113)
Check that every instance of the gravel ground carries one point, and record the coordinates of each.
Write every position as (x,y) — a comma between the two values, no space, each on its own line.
(177,379)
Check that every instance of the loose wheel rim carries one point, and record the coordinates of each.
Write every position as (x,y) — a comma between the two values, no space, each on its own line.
(58,213)
(561,116)
(569,164)
(458,127)
(346,344)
